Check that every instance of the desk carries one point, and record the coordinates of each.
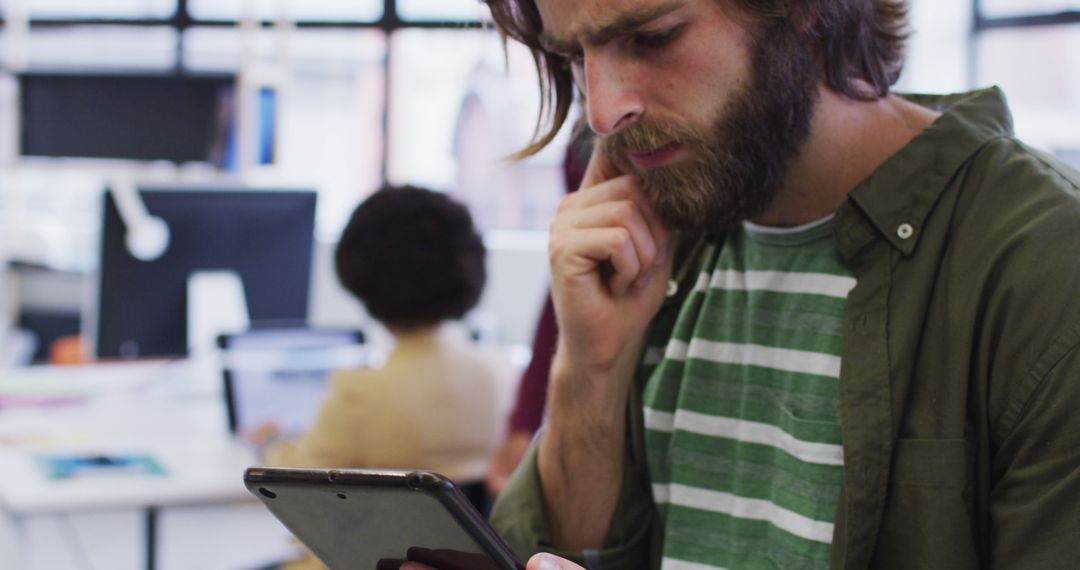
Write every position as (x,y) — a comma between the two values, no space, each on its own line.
(171,411)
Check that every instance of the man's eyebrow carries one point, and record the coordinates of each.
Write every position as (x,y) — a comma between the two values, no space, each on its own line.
(621,24)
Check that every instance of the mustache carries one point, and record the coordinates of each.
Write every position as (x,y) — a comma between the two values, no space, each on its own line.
(645,137)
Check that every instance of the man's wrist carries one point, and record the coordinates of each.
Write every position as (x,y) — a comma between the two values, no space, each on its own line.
(591,399)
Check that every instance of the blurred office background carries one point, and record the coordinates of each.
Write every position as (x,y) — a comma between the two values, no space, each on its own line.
(406,91)
(366,91)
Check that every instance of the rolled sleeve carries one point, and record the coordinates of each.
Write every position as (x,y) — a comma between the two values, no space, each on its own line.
(520,518)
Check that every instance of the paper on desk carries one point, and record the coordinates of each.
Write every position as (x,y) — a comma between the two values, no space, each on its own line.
(77,466)
(50,385)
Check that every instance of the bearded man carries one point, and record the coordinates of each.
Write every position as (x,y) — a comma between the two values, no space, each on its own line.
(804,322)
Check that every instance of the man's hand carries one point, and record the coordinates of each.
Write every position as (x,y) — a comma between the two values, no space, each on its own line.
(551,562)
(538,562)
(610,263)
(609,266)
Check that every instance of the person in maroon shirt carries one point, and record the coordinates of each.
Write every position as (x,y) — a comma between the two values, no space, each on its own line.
(528,411)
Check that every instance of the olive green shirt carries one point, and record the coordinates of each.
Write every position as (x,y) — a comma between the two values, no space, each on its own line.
(960,375)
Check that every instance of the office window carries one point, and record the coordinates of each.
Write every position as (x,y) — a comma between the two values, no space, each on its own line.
(452,112)
(442,10)
(456,112)
(938,50)
(150,47)
(330,95)
(1005,8)
(1045,97)
(96,9)
(323,10)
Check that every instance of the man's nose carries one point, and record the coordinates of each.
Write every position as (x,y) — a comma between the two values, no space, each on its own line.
(613,100)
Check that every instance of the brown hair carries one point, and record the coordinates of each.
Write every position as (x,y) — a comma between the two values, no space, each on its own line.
(860,43)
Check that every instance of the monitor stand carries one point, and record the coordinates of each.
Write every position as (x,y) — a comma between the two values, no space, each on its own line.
(216,305)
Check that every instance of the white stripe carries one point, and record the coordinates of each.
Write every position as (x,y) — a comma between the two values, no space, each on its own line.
(659,421)
(676,350)
(783,282)
(746,432)
(752,228)
(743,508)
(786,359)
(673,564)
(702,282)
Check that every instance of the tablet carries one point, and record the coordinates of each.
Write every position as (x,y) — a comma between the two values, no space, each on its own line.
(377,519)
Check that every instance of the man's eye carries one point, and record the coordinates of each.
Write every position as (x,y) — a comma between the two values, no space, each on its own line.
(655,39)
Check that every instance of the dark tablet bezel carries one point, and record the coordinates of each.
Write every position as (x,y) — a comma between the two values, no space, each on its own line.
(262,481)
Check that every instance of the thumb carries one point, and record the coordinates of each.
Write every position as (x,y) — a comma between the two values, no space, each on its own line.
(551,562)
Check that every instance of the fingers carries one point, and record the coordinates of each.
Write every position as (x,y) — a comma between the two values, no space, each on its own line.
(611,222)
(620,188)
(624,187)
(599,169)
(550,562)
(622,215)
(613,245)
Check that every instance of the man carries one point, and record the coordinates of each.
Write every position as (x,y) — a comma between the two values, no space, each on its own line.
(804,322)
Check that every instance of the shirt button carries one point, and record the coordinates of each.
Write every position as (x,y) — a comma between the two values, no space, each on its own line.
(672,288)
(905,231)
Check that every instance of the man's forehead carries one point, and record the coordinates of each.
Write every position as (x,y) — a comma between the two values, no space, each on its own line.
(569,23)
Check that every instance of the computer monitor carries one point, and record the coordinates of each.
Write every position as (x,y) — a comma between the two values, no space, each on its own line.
(172,116)
(265,236)
(281,375)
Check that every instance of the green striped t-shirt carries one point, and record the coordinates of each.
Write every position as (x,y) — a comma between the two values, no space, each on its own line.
(742,410)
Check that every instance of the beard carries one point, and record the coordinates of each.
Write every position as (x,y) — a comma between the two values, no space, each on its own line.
(737,166)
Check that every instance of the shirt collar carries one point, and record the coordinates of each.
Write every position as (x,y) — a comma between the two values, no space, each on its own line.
(899,196)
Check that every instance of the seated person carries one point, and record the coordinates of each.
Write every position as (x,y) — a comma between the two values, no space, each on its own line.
(440,402)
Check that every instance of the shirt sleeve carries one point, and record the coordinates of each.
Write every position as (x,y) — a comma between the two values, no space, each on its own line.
(520,518)
(1035,501)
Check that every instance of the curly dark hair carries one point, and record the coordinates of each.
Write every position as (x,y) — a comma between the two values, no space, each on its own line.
(854,39)
(412,256)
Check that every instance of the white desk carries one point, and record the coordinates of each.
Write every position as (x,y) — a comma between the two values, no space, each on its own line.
(173,412)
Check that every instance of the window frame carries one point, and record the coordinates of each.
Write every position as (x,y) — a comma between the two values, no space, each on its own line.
(182,20)
(981,23)
(391,21)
